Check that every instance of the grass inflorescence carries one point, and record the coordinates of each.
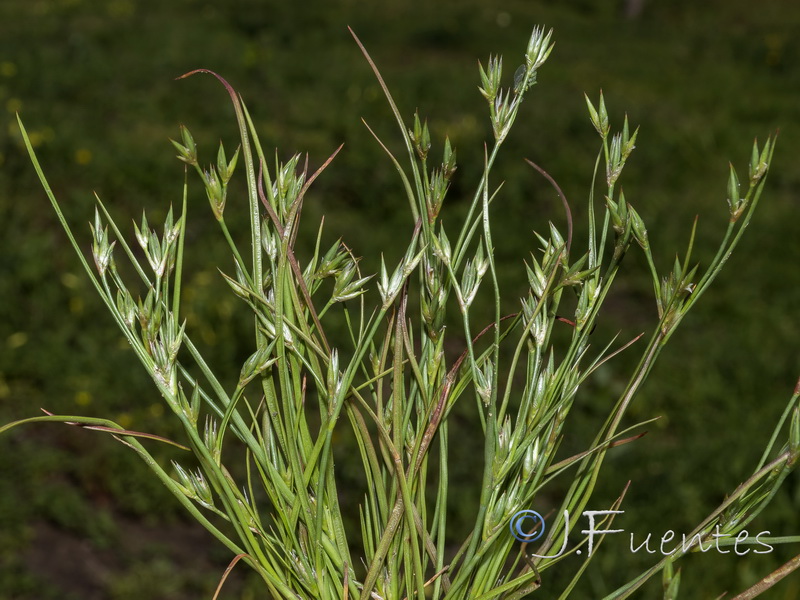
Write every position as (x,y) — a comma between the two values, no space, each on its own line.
(394,375)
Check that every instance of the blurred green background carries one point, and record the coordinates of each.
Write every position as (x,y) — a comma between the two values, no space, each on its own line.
(94,82)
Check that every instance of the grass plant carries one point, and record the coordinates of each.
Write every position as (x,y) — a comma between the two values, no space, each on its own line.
(394,376)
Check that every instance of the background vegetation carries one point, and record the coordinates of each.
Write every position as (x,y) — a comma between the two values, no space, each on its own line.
(93,79)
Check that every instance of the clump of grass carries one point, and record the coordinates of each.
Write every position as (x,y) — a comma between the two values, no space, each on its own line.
(393,379)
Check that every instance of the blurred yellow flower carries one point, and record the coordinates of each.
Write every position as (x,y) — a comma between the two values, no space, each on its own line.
(70,280)
(83,156)
(76,305)
(8,68)
(124,420)
(83,398)
(17,340)
(13,105)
